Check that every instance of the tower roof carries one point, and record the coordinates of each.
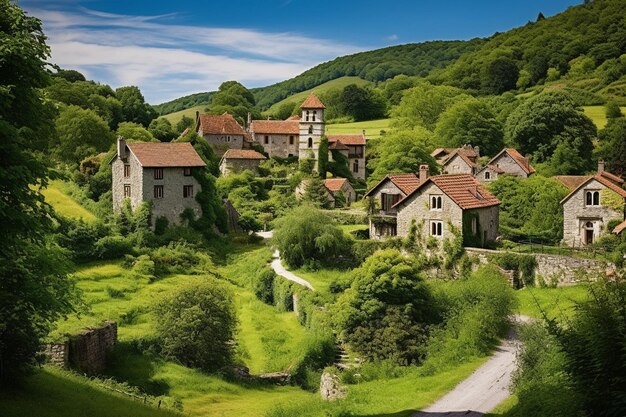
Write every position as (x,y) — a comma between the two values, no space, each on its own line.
(312,102)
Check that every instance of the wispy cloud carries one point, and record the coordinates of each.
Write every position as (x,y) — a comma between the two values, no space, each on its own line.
(392,37)
(169,60)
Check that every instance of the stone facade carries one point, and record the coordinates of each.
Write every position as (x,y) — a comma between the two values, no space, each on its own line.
(174,201)
(583,223)
(229,166)
(311,132)
(135,181)
(281,146)
(506,163)
(382,220)
(221,143)
(488,174)
(457,165)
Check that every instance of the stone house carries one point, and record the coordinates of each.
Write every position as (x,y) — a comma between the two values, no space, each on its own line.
(239,160)
(159,172)
(222,132)
(461,160)
(279,138)
(443,202)
(593,201)
(383,196)
(337,185)
(508,161)
(355,151)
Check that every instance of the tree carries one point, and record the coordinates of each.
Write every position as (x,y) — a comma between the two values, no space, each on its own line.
(612,146)
(134,106)
(185,122)
(307,235)
(235,99)
(402,151)
(386,311)
(499,75)
(34,288)
(70,75)
(542,123)
(197,324)
(161,128)
(470,122)
(315,192)
(81,133)
(362,103)
(134,132)
(612,110)
(322,158)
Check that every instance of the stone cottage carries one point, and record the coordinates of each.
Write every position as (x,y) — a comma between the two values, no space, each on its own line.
(279,138)
(593,201)
(443,202)
(343,186)
(355,151)
(222,132)
(461,160)
(239,160)
(159,172)
(382,197)
(508,161)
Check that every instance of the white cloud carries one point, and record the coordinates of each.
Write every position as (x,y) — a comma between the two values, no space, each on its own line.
(168,60)
(392,37)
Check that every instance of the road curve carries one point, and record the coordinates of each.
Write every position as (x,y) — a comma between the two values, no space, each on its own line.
(278,267)
(487,387)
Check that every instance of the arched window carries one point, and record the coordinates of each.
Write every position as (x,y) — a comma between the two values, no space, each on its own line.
(310,143)
(596,198)
(311,129)
(589,198)
(314,114)
(436,202)
(355,166)
(307,116)
(592,198)
(487,175)
(589,225)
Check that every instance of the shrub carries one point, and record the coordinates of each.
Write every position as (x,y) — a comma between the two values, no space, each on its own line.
(113,293)
(160,225)
(113,247)
(524,264)
(130,317)
(263,286)
(179,258)
(197,324)
(79,237)
(283,295)
(319,352)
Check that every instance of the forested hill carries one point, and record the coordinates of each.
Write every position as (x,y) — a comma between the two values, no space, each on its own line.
(411,59)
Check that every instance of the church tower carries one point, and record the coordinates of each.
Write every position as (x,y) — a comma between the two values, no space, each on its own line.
(311,128)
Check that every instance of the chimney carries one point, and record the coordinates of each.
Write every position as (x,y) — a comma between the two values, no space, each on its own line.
(477,151)
(121,147)
(363,132)
(600,165)
(249,120)
(423,173)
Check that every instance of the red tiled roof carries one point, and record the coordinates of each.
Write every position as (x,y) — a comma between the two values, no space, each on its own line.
(463,189)
(572,182)
(612,177)
(334,184)
(276,127)
(407,183)
(517,157)
(495,169)
(242,154)
(295,117)
(358,139)
(312,102)
(338,146)
(620,228)
(166,154)
(464,154)
(223,124)
(602,180)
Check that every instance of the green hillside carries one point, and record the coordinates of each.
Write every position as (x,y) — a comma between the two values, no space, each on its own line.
(190,112)
(372,128)
(64,204)
(598,115)
(183,103)
(338,83)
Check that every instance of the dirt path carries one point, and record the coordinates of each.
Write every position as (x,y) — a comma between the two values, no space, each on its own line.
(487,387)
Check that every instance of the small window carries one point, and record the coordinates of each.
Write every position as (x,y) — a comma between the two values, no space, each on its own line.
(187,172)
(227,138)
(314,114)
(187,191)
(487,175)
(158,173)
(158,191)
(592,198)
(436,202)
(310,129)
(126,170)
(307,116)
(436,228)
(474,225)
(310,143)
(355,166)
(266,139)
(291,140)
(126,191)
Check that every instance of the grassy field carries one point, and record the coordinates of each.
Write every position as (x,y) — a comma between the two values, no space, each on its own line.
(64,204)
(555,302)
(322,278)
(190,112)
(338,83)
(598,115)
(372,128)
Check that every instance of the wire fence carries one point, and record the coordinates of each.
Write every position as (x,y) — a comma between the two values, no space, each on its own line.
(577,250)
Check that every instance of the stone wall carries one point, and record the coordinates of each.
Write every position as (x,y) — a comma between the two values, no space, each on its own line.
(457,165)
(282,146)
(221,143)
(119,181)
(172,204)
(508,165)
(57,353)
(564,269)
(236,165)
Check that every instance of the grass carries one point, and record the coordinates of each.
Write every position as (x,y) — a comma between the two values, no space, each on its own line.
(64,204)
(322,278)
(337,83)
(505,408)
(190,112)
(372,128)
(348,228)
(598,115)
(555,302)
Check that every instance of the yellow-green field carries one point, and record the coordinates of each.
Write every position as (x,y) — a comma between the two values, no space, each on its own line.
(555,302)
(372,128)
(190,112)
(64,204)
(598,114)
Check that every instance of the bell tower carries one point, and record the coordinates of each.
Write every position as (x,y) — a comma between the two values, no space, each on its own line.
(311,128)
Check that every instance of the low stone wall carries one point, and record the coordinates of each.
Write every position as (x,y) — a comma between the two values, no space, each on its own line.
(564,269)
(86,351)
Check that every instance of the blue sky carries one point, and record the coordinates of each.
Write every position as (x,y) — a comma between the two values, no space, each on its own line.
(173,48)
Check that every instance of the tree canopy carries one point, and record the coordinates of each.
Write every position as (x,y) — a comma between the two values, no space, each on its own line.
(81,133)
(134,106)
(612,146)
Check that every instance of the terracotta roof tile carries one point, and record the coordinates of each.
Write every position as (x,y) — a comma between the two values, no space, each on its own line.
(463,189)
(521,160)
(312,102)
(334,184)
(243,154)
(166,154)
(223,124)
(276,127)
(495,169)
(338,146)
(620,228)
(612,177)
(358,139)
(464,155)
(295,117)
(572,182)
(407,183)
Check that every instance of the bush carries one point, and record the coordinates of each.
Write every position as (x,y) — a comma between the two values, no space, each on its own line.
(79,237)
(283,295)
(320,351)
(113,293)
(524,265)
(113,247)
(263,286)
(180,258)
(197,324)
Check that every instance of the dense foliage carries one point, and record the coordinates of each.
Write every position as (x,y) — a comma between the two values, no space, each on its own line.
(612,146)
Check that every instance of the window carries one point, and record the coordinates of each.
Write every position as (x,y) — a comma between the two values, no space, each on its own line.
(187,191)
(310,143)
(266,139)
(355,166)
(592,198)
(310,129)
(187,172)
(388,200)
(487,175)
(291,140)
(436,228)
(158,191)
(474,225)
(307,116)
(436,202)
(227,138)
(126,191)
(126,170)
(314,114)
(158,173)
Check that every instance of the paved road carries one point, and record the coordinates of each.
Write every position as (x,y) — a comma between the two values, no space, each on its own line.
(278,267)
(487,387)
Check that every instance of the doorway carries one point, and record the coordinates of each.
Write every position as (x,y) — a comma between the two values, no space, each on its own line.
(588,233)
